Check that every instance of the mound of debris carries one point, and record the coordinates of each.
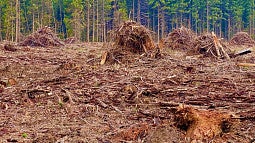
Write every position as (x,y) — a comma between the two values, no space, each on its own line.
(128,39)
(203,124)
(44,37)
(180,38)
(242,38)
(209,45)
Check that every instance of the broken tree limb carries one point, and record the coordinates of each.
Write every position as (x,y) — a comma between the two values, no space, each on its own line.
(217,46)
(243,52)
(245,64)
(103,58)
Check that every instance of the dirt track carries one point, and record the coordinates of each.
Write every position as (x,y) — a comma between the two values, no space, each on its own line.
(64,95)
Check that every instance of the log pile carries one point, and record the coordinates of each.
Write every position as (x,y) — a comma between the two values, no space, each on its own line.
(209,45)
(130,38)
(180,38)
(44,37)
(242,38)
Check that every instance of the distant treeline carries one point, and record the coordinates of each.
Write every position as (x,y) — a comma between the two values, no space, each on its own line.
(90,20)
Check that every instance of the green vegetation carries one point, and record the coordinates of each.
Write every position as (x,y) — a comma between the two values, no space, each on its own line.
(89,20)
(24,135)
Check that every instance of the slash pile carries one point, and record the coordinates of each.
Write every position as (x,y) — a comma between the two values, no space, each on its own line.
(44,37)
(129,39)
(209,45)
(242,38)
(180,38)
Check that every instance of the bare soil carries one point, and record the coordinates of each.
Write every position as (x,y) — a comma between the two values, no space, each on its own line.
(63,94)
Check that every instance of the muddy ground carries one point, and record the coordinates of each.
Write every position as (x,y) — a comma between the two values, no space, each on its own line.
(65,95)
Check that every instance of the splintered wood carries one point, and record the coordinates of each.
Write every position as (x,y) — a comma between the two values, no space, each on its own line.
(44,37)
(209,45)
(202,124)
(184,39)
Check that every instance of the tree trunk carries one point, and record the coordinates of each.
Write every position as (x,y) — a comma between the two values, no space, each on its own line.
(88,19)
(17,21)
(162,25)
(207,16)
(229,25)
(41,17)
(93,21)
(116,14)
(158,24)
(97,22)
(1,37)
(252,18)
(104,24)
(133,10)
(138,11)
(12,26)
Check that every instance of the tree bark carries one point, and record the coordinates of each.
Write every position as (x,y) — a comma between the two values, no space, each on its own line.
(88,20)
(207,16)
(133,10)
(158,24)
(93,21)
(104,24)
(97,22)
(138,11)
(1,37)
(17,21)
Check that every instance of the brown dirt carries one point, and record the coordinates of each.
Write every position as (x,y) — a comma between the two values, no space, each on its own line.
(65,95)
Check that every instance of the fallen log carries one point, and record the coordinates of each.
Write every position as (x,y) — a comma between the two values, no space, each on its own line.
(242,52)
(245,64)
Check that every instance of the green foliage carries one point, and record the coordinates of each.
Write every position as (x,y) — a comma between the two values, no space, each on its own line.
(24,135)
(70,17)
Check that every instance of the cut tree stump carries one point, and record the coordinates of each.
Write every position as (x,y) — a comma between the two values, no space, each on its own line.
(202,124)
